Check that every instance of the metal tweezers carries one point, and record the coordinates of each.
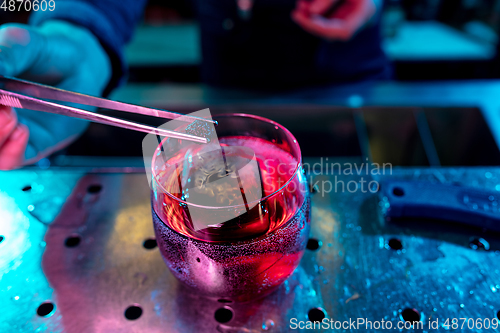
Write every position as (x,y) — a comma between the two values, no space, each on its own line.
(32,96)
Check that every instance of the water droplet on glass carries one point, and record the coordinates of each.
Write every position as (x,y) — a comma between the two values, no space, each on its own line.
(268,324)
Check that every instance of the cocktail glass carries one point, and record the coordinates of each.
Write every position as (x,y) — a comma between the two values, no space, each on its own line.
(231,223)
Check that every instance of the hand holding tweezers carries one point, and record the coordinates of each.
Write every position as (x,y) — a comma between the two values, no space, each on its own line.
(29,95)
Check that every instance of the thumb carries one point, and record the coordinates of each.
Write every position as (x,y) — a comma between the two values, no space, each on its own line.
(20,46)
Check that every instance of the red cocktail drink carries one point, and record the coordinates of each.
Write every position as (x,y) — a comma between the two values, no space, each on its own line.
(232,223)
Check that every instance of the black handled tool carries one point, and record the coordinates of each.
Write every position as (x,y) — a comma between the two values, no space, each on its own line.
(417,199)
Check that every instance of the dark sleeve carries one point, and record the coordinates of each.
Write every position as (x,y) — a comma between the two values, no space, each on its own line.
(111,21)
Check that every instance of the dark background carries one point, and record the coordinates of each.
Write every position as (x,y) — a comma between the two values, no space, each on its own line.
(426,40)
(474,21)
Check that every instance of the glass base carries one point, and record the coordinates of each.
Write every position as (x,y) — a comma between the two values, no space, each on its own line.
(237,271)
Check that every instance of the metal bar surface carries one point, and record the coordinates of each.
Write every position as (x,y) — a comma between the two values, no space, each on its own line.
(76,240)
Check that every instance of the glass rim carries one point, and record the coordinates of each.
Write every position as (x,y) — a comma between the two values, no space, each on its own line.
(267,197)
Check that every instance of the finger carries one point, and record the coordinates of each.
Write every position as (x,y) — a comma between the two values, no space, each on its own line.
(355,9)
(8,122)
(17,49)
(342,25)
(302,5)
(322,27)
(350,18)
(12,152)
(319,7)
(48,53)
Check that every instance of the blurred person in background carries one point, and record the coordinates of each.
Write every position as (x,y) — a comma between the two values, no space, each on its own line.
(257,44)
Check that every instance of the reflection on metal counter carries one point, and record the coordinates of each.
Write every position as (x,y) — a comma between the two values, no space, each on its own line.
(78,255)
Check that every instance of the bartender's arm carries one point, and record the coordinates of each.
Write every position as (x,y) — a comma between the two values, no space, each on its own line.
(77,47)
(341,24)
